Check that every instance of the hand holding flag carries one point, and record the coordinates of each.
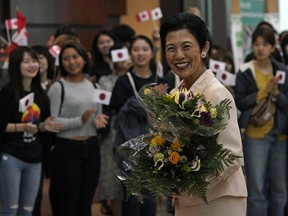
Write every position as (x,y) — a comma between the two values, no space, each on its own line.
(281,75)
(102,96)
(11,24)
(216,66)
(156,13)
(120,55)
(55,50)
(20,37)
(143,16)
(226,77)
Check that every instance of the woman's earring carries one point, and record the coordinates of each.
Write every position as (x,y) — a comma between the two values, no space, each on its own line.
(203,55)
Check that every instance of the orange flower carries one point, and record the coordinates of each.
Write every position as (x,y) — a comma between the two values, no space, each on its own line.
(176,144)
(158,140)
(174,158)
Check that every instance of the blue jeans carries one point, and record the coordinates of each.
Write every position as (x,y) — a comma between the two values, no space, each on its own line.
(265,164)
(19,184)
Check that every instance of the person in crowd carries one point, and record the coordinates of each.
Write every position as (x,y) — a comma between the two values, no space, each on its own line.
(276,52)
(195,10)
(21,149)
(130,114)
(284,49)
(110,188)
(46,62)
(265,147)
(221,54)
(123,33)
(62,33)
(75,157)
(46,66)
(3,65)
(102,65)
(185,43)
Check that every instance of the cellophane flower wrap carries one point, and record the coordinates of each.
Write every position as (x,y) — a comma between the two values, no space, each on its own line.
(181,153)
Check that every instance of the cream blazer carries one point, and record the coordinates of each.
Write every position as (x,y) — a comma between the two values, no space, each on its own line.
(234,184)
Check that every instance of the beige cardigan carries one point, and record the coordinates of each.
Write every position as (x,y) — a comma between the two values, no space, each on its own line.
(233,185)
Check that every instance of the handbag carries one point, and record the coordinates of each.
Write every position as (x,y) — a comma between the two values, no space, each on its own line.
(262,112)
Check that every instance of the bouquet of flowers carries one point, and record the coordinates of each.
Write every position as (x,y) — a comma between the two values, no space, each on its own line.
(180,154)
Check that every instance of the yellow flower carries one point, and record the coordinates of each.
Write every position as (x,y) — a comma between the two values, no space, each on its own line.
(176,144)
(213,112)
(158,140)
(174,158)
(147,91)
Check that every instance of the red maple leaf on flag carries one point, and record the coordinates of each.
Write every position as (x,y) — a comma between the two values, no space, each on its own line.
(20,37)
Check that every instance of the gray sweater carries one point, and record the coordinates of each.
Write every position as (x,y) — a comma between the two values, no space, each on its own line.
(78,98)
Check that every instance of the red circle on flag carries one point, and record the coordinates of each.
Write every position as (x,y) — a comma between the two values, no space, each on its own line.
(102,96)
(26,102)
(143,15)
(280,77)
(224,76)
(216,66)
(119,55)
(156,14)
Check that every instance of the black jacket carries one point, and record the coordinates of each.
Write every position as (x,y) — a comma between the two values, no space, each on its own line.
(246,91)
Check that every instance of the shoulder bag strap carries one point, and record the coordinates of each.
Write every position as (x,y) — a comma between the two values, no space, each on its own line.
(62,95)
(132,82)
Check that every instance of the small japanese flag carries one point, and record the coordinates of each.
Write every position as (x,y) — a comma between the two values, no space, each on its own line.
(26,102)
(102,96)
(226,77)
(156,13)
(281,75)
(120,55)
(216,65)
(55,50)
(11,24)
(143,16)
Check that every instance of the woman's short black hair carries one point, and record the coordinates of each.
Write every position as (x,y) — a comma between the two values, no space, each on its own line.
(80,50)
(142,37)
(266,33)
(193,23)
(43,50)
(97,56)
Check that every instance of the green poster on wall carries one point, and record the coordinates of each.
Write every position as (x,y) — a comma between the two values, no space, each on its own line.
(252,13)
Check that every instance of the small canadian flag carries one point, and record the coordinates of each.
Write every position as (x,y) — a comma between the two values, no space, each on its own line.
(120,55)
(11,23)
(156,13)
(26,102)
(216,66)
(143,16)
(226,77)
(281,75)
(55,50)
(102,96)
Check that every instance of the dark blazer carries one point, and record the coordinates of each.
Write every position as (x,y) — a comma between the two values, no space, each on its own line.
(246,91)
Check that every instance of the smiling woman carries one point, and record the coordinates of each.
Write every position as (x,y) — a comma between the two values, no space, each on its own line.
(75,158)
(21,143)
(184,39)
(185,55)
(258,80)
